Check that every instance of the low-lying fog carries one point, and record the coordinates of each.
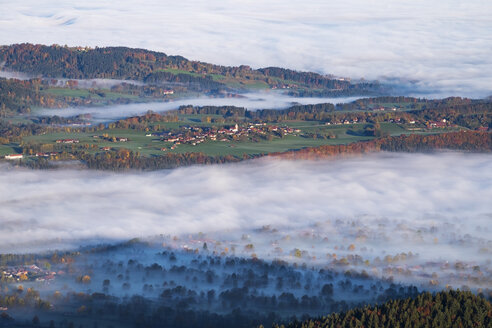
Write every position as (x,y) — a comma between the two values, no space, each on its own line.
(251,101)
(339,212)
(61,82)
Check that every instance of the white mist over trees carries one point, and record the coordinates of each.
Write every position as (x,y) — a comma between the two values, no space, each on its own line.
(434,206)
(250,101)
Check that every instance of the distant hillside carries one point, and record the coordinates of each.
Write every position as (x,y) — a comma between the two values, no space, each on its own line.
(445,309)
(155,67)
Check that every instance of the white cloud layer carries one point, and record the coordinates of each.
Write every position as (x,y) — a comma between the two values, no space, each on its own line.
(450,191)
(446,45)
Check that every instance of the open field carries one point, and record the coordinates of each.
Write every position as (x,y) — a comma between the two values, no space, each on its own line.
(9,149)
(148,146)
(230,81)
(101,94)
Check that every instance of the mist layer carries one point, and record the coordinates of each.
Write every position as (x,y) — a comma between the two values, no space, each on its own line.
(441,47)
(42,206)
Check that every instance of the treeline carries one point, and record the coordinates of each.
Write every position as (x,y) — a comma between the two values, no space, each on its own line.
(18,96)
(464,141)
(316,80)
(60,120)
(15,132)
(297,112)
(445,309)
(125,159)
(468,113)
(368,103)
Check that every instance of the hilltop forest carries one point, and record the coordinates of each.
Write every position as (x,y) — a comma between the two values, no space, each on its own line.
(155,67)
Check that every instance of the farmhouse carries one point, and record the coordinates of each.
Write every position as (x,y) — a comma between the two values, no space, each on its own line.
(14,156)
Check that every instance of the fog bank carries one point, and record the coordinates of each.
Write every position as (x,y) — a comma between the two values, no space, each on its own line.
(445,189)
(442,46)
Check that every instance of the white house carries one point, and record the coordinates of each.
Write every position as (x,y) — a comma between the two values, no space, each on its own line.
(14,156)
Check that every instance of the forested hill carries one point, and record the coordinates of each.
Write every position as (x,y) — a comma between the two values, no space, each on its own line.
(445,309)
(153,67)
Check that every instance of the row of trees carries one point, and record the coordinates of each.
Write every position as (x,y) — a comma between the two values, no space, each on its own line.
(466,140)
(125,159)
(18,96)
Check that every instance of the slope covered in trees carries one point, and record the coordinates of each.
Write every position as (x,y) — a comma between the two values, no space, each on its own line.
(445,309)
(155,67)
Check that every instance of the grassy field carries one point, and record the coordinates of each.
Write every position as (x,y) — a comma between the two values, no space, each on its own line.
(149,146)
(230,81)
(9,149)
(312,134)
(85,93)
(392,129)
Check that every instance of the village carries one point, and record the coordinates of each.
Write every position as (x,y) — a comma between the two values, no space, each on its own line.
(193,135)
(26,273)
(196,135)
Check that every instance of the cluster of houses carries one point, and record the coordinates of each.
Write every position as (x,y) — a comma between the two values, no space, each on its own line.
(27,273)
(199,135)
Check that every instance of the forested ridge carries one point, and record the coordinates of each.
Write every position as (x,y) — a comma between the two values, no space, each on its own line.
(445,309)
(138,64)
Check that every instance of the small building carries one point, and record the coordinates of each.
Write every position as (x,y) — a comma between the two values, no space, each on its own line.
(14,156)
